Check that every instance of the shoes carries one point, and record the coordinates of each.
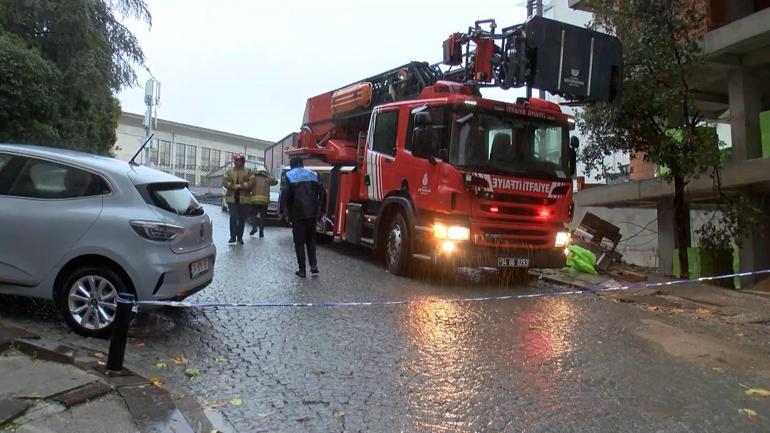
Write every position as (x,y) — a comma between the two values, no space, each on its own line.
(240,241)
(231,241)
(314,271)
(300,274)
(253,231)
(262,234)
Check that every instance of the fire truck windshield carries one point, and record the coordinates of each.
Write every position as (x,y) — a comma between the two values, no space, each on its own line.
(508,144)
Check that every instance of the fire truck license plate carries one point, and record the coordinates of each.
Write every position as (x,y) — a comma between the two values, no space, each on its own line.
(512,262)
(199,268)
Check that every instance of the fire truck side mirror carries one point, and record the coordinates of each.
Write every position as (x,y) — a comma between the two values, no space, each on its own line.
(574,143)
(422,141)
(422,135)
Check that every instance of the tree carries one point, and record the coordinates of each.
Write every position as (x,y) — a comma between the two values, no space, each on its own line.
(657,115)
(61,63)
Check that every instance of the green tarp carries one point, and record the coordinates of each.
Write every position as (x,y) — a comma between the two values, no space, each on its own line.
(581,260)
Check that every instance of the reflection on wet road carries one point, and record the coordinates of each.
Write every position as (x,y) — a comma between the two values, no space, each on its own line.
(532,365)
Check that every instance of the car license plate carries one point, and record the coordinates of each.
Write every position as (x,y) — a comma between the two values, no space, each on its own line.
(199,268)
(513,262)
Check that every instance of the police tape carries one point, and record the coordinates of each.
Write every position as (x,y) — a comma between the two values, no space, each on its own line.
(612,288)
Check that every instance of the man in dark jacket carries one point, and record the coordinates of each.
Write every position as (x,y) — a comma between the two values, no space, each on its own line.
(302,198)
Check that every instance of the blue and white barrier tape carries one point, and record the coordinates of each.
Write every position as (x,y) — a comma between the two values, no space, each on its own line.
(183,304)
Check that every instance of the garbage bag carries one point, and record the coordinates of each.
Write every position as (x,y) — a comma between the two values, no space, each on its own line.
(581,260)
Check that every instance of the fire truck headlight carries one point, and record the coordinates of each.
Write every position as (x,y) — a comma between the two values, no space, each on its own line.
(562,239)
(455,233)
(448,246)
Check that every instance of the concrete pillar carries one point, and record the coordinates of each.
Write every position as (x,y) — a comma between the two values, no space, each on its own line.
(666,237)
(745,105)
(754,254)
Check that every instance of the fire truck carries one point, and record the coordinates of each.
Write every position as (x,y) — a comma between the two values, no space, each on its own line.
(419,167)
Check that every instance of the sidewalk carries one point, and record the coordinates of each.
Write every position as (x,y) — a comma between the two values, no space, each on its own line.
(733,306)
(48,387)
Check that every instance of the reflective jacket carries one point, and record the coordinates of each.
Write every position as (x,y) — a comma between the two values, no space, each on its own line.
(260,189)
(235,176)
(302,196)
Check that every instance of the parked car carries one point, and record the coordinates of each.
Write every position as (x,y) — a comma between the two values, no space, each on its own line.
(80,229)
(272,206)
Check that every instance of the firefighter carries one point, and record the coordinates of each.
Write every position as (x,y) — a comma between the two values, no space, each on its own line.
(237,181)
(302,198)
(260,197)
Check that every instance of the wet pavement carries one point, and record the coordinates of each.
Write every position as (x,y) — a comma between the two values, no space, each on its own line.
(556,364)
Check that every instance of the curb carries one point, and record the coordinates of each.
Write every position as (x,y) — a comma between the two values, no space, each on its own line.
(152,409)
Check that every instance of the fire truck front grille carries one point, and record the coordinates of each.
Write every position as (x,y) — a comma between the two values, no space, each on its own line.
(513,237)
(523,199)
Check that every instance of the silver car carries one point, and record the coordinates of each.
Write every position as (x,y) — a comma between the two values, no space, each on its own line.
(80,229)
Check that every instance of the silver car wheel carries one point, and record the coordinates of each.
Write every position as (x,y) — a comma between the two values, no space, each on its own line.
(92,301)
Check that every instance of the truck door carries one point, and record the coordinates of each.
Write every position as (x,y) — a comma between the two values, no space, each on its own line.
(423,170)
(379,179)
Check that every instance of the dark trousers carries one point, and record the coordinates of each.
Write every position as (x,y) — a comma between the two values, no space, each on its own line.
(238,214)
(304,237)
(257,214)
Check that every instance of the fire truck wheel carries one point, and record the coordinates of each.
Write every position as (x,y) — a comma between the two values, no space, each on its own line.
(397,254)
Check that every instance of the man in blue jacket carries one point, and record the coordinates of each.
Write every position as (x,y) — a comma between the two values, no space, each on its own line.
(302,199)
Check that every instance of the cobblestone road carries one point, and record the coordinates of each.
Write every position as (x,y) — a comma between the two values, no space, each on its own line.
(557,364)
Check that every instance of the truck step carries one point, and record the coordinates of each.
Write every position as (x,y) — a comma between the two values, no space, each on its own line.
(422,257)
(367,241)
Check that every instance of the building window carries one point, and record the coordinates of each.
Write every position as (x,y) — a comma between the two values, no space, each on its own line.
(190,177)
(228,158)
(165,154)
(216,162)
(191,157)
(179,160)
(205,158)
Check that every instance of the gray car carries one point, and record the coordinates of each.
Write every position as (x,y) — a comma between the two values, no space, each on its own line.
(80,229)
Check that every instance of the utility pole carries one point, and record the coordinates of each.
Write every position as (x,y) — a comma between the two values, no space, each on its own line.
(152,101)
(539,12)
(534,7)
(529,15)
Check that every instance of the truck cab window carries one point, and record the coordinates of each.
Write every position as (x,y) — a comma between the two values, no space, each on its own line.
(385,131)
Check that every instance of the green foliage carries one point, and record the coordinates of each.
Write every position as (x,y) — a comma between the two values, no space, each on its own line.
(29,92)
(660,51)
(61,61)
(730,222)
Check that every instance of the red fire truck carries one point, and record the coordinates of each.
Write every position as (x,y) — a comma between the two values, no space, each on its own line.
(420,167)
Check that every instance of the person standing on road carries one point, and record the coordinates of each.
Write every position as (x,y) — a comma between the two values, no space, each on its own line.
(237,182)
(260,197)
(302,198)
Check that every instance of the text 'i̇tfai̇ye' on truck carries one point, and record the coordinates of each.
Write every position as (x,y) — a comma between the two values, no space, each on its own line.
(420,167)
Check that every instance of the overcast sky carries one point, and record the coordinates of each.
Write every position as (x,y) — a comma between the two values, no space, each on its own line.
(247,67)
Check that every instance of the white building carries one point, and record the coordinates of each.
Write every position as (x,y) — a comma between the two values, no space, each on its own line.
(189,152)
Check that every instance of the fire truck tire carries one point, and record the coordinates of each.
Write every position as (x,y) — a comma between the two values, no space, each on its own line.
(396,246)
